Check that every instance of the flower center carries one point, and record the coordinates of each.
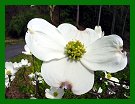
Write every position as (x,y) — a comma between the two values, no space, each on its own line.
(55,94)
(8,72)
(74,50)
(109,76)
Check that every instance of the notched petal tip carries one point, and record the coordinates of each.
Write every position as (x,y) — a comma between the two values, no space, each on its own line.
(66,85)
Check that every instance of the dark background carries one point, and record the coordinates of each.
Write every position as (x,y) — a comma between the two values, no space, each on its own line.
(113,19)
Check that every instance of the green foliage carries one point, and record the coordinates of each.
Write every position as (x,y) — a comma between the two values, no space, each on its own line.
(18,23)
(28,88)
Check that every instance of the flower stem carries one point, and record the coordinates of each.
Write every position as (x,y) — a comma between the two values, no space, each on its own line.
(24,72)
(36,87)
(9,76)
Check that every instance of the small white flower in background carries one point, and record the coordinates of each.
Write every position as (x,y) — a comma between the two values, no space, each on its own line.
(32,97)
(20,64)
(54,93)
(29,64)
(24,62)
(99,31)
(16,66)
(9,68)
(94,88)
(71,56)
(111,92)
(33,83)
(109,76)
(31,75)
(27,50)
(38,73)
(7,83)
(100,90)
(125,86)
(32,5)
(38,78)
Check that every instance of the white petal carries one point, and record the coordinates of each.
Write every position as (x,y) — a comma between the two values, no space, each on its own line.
(27,50)
(15,64)
(48,94)
(100,90)
(70,33)
(20,64)
(12,77)
(57,72)
(114,79)
(45,47)
(98,30)
(24,61)
(31,75)
(9,65)
(105,54)
(42,26)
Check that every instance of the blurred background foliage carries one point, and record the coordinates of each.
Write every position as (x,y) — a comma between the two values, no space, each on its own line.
(113,19)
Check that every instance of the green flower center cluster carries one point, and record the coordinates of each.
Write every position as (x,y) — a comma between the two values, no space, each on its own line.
(74,50)
(8,72)
(109,75)
(55,94)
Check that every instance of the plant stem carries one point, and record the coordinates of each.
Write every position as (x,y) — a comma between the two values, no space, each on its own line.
(9,76)
(36,87)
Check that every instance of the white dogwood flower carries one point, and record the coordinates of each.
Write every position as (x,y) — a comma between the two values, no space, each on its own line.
(7,82)
(9,68)
(25,62)
(16,66)
(31,75)
(27,50)
(114,79)
(71,56)
(54,93)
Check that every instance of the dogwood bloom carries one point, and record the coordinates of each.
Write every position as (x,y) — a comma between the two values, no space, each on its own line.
(71,56)
(54,93)
(25,62)
(27,50)
(109,76)
(7,82)
(16,66)
(31,75)
(9,68)
(20,64)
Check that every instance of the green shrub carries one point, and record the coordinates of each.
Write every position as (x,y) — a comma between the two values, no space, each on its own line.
(18,23)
